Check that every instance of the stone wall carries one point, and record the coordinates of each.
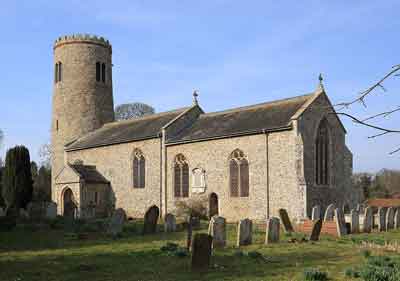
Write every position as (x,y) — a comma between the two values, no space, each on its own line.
(115,163)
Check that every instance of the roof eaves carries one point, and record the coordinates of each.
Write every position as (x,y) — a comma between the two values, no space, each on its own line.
(180,115)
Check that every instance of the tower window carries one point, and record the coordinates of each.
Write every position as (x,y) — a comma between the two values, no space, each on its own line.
(58,72)
(97,71)
(57,125)
(103,73)
(322,154)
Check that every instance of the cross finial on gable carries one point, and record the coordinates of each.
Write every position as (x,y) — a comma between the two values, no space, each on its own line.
(195,95)
(321,85)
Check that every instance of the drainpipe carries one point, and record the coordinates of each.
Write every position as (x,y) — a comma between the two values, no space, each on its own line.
(161,172)
(267,169)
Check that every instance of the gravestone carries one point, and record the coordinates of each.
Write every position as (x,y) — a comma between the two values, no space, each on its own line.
(51,210)
(368,220)
(244,235)
(354,221)
(201,251)
(287,225)
(217,229)
(116,223)
(150,220)
(382,219)
(2,213)
(24,214)
(316,230)
(390,218)
(397,218)
(316,213)
(340,222)
(358,208)
(329,213)
(170,223)
(273,226)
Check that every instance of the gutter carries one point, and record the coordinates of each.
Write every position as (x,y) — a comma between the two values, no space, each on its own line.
(267,169)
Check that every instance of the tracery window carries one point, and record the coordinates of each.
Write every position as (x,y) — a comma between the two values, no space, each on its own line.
(322,154)
(238,174)
(139,169)
(181,176)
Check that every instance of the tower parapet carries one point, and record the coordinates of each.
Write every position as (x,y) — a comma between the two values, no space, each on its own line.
(82,38)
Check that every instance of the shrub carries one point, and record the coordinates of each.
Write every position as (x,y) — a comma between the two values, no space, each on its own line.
(195,207)
(313,274)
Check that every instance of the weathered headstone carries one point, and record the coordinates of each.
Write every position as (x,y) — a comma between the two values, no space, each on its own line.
(24,214)
(273,226)
(51,210)
(358,208)
(316,213)
(340,222)
(244,235)
(201,251)
(287,225)
(316,230)
(217,229)
(368,220)
(354,221)
(390,219)
(329,213)
(170,223)
(2,213)
(150,220)
(397,218)
(116,223)
(382,219)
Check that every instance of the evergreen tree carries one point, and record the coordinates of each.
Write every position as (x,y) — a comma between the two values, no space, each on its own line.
(17,178)
(42,185)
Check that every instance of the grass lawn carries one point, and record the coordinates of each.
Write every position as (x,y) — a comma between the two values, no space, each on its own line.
(59,255)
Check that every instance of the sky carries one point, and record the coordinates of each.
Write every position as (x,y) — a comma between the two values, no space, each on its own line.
(234,53)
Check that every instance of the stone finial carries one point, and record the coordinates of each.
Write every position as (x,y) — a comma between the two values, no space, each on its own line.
(320,84)
(195,95)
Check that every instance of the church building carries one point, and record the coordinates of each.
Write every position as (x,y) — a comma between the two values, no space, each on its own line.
(246,162)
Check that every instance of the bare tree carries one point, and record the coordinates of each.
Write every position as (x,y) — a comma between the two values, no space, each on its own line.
(132,110)
(1,137)
(368,121)
(45,155)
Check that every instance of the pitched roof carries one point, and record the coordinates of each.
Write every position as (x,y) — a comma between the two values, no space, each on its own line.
(89,173)
(268,116)
(125,131)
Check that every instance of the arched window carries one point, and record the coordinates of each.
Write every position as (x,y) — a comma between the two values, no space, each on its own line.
(139,169)
(238,174)
(103,73)
(97,71)
(322,153)
(181,176)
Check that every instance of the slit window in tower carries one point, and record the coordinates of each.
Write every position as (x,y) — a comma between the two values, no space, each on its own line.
(103,73)
(97,71)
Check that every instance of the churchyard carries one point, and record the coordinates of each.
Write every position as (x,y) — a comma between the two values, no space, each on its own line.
(119,249)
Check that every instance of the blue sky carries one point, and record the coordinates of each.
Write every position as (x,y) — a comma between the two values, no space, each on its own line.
(234,52)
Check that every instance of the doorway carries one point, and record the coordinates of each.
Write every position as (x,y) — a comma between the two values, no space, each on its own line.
(213,205)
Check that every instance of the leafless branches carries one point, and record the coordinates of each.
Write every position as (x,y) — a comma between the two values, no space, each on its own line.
(395,71)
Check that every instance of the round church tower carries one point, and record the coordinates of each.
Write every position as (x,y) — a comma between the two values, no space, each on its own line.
(82,97)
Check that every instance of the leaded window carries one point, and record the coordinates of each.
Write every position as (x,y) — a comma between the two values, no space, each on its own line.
(139,169)
(238,174)
(181,176)
(322,154)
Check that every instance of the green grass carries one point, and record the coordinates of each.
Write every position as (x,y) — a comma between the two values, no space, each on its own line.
(61,256)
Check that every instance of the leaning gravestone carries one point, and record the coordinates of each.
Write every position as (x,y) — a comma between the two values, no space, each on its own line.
(382,219)
(354,221)
(287,225)
(272,235)
(390,218)
(329,213)
(340,222)
(316,213)
(244,235)
(170,223)
(217,229)
(150,220)
(316,230)
(368,220)
(397,218)
(201,251)
(116,223)
(51,210)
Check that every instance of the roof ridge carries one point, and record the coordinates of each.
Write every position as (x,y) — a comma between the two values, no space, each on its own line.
(247,107)
(149,116)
